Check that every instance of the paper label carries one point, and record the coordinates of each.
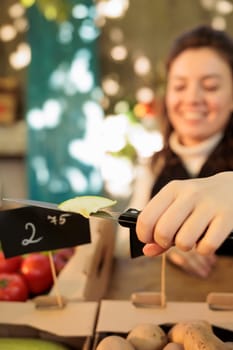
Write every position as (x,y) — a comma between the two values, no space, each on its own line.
(34,229)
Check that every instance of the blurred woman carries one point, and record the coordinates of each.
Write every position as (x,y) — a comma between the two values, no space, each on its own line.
(197,124)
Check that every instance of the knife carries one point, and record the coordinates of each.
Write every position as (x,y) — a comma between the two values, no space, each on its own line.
(127,218)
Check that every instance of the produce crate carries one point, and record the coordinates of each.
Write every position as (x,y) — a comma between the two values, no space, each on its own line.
(72,325)
(118,317)
(80,286)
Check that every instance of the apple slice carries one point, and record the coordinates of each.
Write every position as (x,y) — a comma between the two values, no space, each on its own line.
(85,205)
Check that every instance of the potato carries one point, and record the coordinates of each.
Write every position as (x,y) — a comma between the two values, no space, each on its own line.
(114,342)
(177,332)
(199,337)
(147,337)
(173,346)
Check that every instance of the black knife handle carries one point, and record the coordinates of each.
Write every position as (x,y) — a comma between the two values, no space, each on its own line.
(129,219)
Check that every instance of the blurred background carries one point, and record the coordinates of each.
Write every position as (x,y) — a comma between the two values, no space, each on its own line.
(81,84)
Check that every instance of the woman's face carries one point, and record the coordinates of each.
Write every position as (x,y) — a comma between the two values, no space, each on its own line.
(199,97)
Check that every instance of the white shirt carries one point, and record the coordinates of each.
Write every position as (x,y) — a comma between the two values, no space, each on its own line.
(193,157)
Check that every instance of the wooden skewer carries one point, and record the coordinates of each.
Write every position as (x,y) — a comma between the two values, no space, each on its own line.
(163,280)
(153,299)
(57,292)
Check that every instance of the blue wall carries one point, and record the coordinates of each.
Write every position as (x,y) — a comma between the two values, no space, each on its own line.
(62,104)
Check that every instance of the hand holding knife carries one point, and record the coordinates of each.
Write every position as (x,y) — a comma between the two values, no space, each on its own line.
(127,218)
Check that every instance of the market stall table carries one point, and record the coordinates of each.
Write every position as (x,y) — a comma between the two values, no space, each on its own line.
(144,274)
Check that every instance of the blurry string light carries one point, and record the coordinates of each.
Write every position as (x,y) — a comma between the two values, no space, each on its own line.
(7,32)
(80,11)
(114,184)
(119,53)
(83,151)
(110,86)
(41,169)
(142,65)
(140,110)
(58,77)
(76,77)
(50,12)
(112,8)
(65,32)
(60,10)
(219,10)
(145,142)
(121,107)
(219,22)
(21,57)
(28,3)
(89,149)
(114,132)
(145,94)
(16,10)
(76,179)
(80,74)
(88,31)
(57,184)
(19,53)
(224,7)
(48,117)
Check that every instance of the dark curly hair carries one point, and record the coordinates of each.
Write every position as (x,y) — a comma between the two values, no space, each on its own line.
(220,42)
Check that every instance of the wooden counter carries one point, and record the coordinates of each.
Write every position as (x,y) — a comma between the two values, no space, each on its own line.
(143,274)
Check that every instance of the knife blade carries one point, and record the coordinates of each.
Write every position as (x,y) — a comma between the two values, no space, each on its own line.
(127,218)
(35,203)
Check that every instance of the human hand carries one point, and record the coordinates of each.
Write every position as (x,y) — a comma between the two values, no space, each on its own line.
(188,213)
(192,262)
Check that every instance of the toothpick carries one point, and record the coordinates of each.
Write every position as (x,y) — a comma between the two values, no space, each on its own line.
(57,292)
(163,280)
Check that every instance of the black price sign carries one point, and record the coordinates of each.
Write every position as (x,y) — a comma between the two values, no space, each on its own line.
(34,229)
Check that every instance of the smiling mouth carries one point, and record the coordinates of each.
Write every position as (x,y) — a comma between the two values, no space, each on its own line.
(193,116)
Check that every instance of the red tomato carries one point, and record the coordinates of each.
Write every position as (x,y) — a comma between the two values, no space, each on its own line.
(10,264)
(59,263)
(13,287)
(37,272)
(61,257)
(65,253)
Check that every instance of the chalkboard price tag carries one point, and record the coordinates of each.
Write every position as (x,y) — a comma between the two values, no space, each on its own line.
(33,229)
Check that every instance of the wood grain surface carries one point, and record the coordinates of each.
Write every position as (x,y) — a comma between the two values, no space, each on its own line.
(144,274)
